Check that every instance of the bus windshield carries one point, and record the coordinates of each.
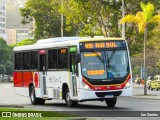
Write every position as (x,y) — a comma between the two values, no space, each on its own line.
(105,64)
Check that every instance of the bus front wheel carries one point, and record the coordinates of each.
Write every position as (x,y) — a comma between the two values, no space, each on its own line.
(111,102)
(69,102)
(34,99)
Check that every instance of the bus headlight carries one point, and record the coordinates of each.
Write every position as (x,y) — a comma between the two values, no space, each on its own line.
(128,84)
(85,86)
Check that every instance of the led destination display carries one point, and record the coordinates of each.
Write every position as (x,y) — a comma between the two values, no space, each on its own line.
(101,45)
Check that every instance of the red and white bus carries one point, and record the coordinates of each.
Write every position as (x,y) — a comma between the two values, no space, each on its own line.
(75,69)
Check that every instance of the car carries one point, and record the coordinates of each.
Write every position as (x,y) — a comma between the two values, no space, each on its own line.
(149,79)
(155,83)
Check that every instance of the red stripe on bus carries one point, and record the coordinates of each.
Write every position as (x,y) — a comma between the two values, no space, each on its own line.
(107,87)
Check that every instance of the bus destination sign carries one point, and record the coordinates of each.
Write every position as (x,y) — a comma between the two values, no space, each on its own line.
(100,45)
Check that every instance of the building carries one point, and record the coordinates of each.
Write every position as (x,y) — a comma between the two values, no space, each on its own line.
(15,30)
(17,35)
(11,36)
(3,19)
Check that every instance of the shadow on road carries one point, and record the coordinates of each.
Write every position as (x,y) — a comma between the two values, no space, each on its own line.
(87,107)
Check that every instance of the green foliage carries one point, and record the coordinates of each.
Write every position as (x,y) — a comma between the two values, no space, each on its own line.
(86,18)
(93,17)
(42,12)
(148,10)
(25,42)
(46,17)
(2,69)
(9,68)
(143,20)
(5,51)
(135,71)
(6,58)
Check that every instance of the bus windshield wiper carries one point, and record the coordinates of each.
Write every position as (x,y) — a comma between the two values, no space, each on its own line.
(101,59)
(111,56)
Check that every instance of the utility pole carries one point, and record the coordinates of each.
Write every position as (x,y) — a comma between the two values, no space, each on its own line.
(145,80)
(61,20)
(123,25)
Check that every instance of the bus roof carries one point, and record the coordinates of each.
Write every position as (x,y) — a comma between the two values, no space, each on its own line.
(81,39)
(60,41)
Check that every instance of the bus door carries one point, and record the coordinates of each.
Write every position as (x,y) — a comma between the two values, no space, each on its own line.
(74,71)
(42,68)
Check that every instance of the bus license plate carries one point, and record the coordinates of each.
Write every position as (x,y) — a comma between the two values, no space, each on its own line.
(108,96)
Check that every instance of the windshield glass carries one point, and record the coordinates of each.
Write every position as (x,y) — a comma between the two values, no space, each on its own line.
(105,64)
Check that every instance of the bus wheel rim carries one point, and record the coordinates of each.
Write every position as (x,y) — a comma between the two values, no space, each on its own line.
(32,96)
(67,97)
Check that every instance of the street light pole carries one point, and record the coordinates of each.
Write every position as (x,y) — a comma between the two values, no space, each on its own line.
(123,25)
(61,20)
(145,80)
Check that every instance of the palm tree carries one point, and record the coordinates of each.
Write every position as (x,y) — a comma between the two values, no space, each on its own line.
(141,20)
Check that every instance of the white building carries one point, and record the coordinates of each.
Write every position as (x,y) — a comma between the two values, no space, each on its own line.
(15,30)
(3,19)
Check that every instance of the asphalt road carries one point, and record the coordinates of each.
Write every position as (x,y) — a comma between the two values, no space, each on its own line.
(87,109)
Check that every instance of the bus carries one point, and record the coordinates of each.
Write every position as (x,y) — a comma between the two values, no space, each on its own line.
(75,69)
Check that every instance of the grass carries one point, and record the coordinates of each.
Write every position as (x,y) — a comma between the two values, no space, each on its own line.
(46,115)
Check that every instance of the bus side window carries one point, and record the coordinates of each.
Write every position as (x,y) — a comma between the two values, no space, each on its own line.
(62,58)
(26,60)
(34,60)
(52,59)
(18,61)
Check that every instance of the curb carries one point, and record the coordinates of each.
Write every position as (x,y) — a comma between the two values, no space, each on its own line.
(12,106)
(153,97)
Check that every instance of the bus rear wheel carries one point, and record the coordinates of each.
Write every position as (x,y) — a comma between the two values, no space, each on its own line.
(69,102)
(34,99)
(111,102)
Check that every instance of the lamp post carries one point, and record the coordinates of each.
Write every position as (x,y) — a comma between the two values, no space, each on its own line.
(61,20)
(145,81)
(123,25)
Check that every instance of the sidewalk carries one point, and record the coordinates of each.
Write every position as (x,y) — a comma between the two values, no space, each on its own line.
(138,92)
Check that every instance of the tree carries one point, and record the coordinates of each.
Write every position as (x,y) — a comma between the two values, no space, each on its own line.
(9,68)
(93,17)
(25,42)
(5,51)
(2,71)
(142,21)
(45,15)
(84,18)
(6,55)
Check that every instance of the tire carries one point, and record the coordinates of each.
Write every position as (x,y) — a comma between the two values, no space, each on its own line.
(111,102)
(156,88)
(41,101)
(33,98)
(69,102)
(151,88)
